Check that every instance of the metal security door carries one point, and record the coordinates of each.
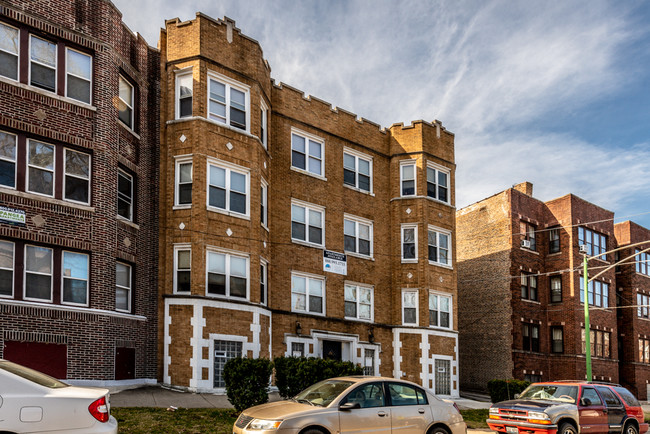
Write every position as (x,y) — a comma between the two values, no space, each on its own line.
(224,351)
(443,377)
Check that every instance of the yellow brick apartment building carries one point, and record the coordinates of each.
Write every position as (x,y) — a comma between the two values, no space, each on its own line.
(291,227)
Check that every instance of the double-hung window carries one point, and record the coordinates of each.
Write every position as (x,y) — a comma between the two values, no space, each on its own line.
(597,293)
(358,302)
(307,153)
(554,240)
(228,101)
(77,177)
(228,188)
(439,243)
(307,294)
(125,103)
(408,183)
(439,310)
(527,232)
(123,287)
(409,243)
(357,170)
(437,182)
(557,339)
(78,71)
(9,48)
(596,243)
(264,281)
(642,261)
(40,168)
(264,124)
(643,305)
(644,350)
(184,178)
(7,262)
(38,273)
(182,268)
(124,195)
(7,159)
(184,93)
(75,278)
(529,287)
(42,63)
(530,334)
(264,204)
(227,274)
(357,235)
(307,223)
(556,288)
(599,342)
(409,307)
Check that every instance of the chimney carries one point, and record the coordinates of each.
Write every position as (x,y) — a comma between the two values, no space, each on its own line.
(525,187)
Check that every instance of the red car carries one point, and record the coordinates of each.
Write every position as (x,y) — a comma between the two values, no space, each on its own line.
(569,407)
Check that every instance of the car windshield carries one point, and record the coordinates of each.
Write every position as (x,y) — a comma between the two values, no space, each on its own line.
(551,392)
(31,375)
(323,393)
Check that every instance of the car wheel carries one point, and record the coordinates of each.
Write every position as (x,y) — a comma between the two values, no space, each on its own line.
(567,428)
(441,430)
(630,429)
(312,431)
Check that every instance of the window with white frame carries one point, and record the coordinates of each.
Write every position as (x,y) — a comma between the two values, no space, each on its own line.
(597,293)
(77,176)
(297,349)
(596,243)
(409,243)
(227,274)
(9,46)
(439,245)
(528,235)
(358,302)
(125,103)
(7,261)
(7,159)
(368,361)
(307,223)
(357,235)
(228,187)
(264,205)
(264,124)
(184,93)
(123,287)
(42,63)
(264,281)
(184,176)
(182,268)
(40,168)
(75,278)
(438,182)
(307,294)
(409,307)
(357,170)
(78,71)
(642,262)
(439,310)
(407,178)
(124,195)
(228,101)
(38,273)
(307,153)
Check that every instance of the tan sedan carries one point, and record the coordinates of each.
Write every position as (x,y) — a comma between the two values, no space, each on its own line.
(355,405)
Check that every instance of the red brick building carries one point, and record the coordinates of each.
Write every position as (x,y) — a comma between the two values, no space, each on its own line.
(78,191)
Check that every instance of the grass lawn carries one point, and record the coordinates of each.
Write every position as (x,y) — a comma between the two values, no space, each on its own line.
(183,420)
(475,418)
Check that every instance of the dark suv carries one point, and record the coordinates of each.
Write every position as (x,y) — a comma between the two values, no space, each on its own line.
(569,407)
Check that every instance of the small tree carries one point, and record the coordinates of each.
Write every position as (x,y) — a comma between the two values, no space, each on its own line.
(247,381)
(502,390)
(294,374)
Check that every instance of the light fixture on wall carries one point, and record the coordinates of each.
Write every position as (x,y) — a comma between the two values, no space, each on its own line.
(298,328)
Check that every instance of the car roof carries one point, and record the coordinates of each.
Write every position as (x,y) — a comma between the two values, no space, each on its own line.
(579,382)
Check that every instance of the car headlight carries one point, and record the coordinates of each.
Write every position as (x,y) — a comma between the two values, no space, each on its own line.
(262,424)
(494,410)
(537,415)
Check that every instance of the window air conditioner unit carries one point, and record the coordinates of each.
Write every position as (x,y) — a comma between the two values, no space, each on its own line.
(583,249)
(525,243)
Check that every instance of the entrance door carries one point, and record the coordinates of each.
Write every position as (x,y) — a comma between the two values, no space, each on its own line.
(224,351)
(124,363)
(443,377)
(332,350)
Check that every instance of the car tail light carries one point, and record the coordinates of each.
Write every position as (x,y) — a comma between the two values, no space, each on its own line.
(99,409)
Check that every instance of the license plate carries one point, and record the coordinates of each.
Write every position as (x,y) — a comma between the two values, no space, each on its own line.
(512,430)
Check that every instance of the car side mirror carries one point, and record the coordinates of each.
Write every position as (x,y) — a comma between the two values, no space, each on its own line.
(585,402)
(349,406)
(517,395)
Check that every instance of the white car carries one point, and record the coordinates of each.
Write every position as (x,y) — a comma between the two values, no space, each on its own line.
(32,402)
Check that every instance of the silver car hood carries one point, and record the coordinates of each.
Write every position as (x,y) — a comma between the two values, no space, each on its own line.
(281,410)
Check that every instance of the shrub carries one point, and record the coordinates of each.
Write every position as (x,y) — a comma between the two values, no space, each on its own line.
(247,381)
(502,390)
(294,374)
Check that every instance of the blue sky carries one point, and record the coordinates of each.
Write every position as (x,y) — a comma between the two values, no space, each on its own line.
(555,93)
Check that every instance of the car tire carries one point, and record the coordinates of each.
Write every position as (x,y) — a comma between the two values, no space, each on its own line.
(567,428)
(630,429)
(312,431)
(441,430)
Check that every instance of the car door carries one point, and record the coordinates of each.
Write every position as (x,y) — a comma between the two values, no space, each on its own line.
(372,415)
(410,411)
(591,412)
(614,408)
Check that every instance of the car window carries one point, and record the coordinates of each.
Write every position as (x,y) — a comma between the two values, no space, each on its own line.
(551,392)
(590,393)
(402,394)
(368,395)
(610,399)
(422,397)
(32,375)
(627,396)
(323,393)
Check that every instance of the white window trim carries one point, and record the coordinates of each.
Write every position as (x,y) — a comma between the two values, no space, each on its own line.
(228,167)
(417,307)
(439,231)
(229,82)
(324,296)
(308,136)
(265,123)
(30,60)
(360,155)
(87,279)
(366,222)
(264,263)
(179,73)
(130,289)
(228,253)
(12,54)
(307,207)
(128,175)
(413,163)
(25,271)
(130,104)
(90,80)
(65,174)
(178,160)
(177,248)
(447,171)
(403,227)
(451,309)
(13,269)
(53,170)
(265,201)
(14,161)
(358,286)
